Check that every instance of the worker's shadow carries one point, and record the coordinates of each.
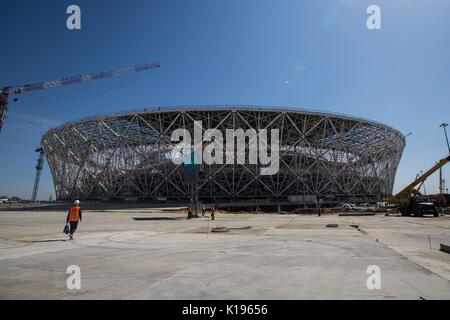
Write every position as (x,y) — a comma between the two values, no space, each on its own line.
(44,241)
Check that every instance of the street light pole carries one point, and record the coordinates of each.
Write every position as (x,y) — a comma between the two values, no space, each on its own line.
(441,177)
(445,125)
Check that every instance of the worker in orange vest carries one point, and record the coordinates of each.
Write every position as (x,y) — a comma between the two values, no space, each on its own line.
(189,210)
(73,217)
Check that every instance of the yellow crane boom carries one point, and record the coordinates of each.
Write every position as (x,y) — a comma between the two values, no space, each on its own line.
(403,197)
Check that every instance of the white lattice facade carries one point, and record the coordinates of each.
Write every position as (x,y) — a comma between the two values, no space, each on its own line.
(333,157)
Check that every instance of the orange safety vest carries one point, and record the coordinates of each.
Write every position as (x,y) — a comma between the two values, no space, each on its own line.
(189,209)
(74,214)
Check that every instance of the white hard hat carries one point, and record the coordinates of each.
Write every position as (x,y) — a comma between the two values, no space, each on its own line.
(77,202)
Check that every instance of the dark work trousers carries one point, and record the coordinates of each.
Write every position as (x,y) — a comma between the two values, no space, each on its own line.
(73,227)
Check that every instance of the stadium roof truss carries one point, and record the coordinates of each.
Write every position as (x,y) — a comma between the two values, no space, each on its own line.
(128,155)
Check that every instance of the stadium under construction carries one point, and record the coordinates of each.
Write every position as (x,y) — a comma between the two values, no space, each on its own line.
(323,157)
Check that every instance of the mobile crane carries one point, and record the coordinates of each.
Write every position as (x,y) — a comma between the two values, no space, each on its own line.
(409,200)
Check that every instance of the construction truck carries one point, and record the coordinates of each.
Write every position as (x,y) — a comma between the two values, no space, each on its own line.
(410,201)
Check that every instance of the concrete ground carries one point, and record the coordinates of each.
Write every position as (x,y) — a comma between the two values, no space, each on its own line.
(151,254)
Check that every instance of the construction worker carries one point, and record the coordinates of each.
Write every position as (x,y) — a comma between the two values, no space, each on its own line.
(73,216)
(189,210)
(203,209)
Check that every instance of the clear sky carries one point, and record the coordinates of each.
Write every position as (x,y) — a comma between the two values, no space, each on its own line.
(314,54)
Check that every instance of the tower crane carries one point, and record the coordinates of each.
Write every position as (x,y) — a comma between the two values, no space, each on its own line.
(6,92)
(39,167)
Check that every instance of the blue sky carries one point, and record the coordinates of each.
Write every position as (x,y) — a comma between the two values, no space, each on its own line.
(313,54)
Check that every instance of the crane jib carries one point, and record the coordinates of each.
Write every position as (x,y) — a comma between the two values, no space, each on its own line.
(79,79)
(6,91)
(405,192)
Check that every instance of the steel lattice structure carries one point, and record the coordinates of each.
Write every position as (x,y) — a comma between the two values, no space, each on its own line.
(331,156)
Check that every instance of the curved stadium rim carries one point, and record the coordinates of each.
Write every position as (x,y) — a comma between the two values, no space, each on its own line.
(224,108)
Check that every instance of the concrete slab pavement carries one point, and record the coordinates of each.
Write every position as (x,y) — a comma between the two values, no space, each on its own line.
(278,257)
